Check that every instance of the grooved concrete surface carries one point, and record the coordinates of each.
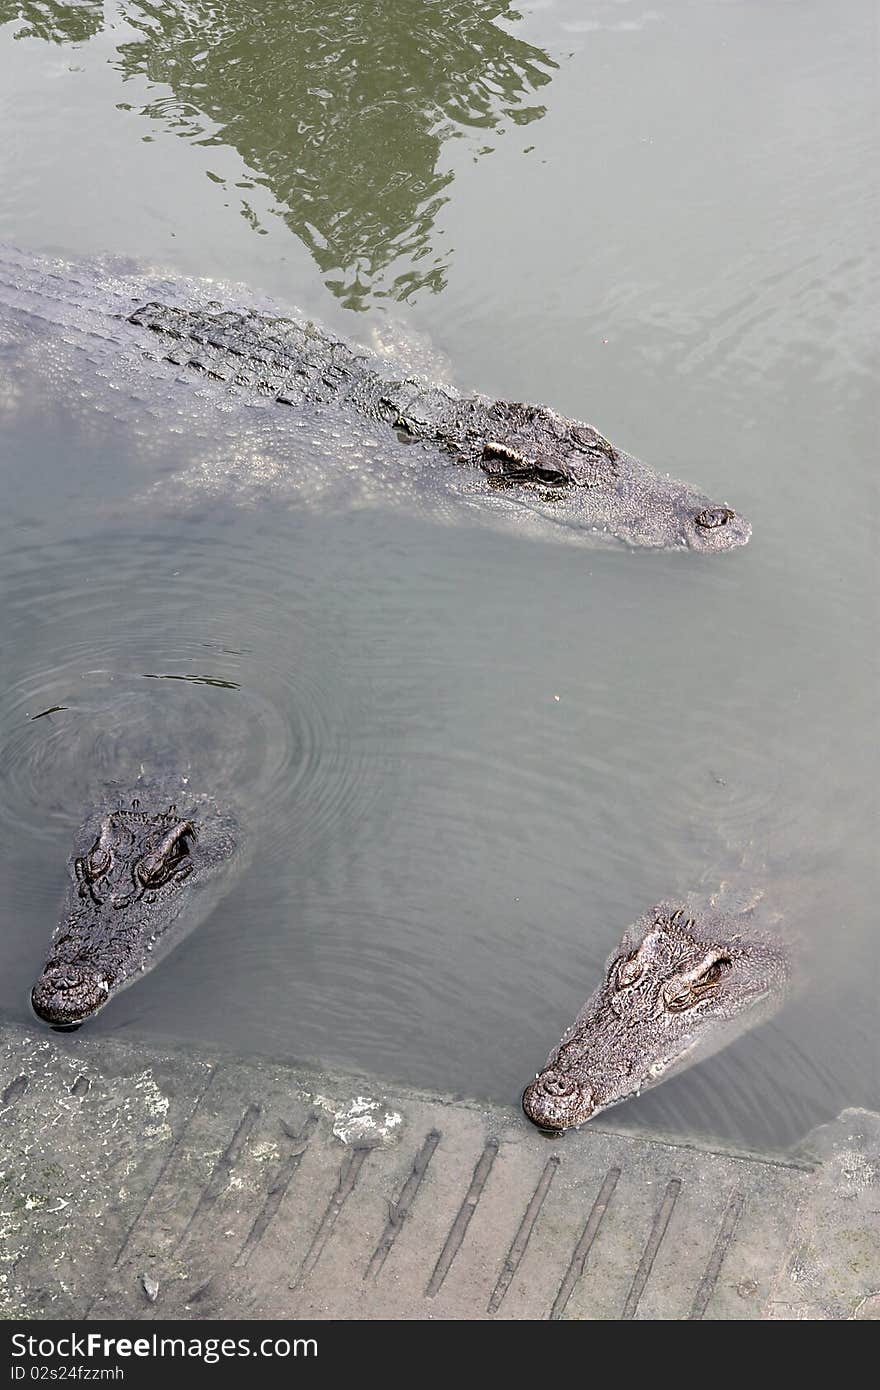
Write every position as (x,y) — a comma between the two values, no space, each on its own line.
(147,1182)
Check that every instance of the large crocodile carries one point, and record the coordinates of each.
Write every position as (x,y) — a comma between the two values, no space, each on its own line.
(685,980)
(534,460)
(143,866)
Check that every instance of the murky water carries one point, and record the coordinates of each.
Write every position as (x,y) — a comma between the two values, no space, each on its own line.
(469,757)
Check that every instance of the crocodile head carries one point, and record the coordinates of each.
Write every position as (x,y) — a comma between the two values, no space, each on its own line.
(141,872)
(569,472)
(682,983)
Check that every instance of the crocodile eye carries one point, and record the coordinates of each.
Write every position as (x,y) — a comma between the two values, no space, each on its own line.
(156,869)
(98,863)
(629,971)
(713,972)
(166,860)
(91,866)
(696,988)
(677,1003)
(556,477)
(153,870)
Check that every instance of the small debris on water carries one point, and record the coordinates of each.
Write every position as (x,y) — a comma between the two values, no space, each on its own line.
(53,709)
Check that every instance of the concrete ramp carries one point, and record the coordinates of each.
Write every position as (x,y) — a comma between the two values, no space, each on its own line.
(145,1182)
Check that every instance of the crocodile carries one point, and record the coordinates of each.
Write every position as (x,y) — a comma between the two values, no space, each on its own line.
(685,980)
(529,457)
(143,865)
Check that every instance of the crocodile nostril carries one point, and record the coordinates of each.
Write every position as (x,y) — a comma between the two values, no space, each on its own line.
(553,1083)
(712,517)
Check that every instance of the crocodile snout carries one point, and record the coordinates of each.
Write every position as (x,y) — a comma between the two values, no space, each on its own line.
(556,1100)
(65,995)
(716,528)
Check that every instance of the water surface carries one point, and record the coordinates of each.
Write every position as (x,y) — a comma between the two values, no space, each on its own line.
(470,757)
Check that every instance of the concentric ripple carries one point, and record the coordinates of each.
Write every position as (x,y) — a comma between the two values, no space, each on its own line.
(121,666)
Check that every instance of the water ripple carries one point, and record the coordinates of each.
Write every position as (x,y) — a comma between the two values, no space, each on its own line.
(121,665)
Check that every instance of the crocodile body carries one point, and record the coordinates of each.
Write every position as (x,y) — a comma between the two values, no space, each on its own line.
(538,463)
(146,870)
(685,980)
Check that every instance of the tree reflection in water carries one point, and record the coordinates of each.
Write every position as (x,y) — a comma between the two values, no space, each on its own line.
(339,110)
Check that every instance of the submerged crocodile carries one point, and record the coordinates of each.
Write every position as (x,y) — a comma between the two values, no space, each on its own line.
(562,470)
(141,869)
(683,983)
(518,447)
(147,871)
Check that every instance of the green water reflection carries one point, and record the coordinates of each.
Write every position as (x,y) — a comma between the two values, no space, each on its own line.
(55,23)
(340,110)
